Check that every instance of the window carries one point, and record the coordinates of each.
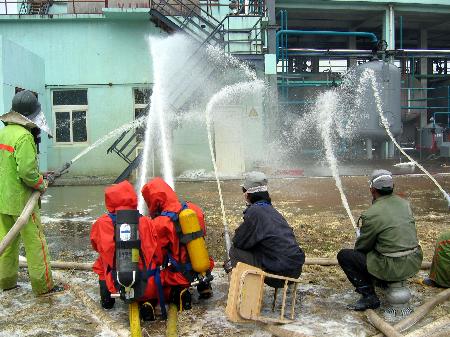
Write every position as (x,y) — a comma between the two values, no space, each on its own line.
(70,110)
(141,107)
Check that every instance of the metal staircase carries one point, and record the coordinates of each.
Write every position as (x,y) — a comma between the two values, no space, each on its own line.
(188,17)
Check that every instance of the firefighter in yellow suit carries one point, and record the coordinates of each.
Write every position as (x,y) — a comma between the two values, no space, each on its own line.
(19,177)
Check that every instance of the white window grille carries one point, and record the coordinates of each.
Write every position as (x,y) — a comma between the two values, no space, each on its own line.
(70,109)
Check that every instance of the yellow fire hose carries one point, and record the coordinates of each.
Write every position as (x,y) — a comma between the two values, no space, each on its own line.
(172,318)
(135,320)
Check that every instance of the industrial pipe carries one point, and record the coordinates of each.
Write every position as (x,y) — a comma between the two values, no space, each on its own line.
(172,318)
(381,325)
(309,261)
(105,320)
(280,332)
(324,261)
(27,210)
(371,36)
(432,328)
(21,221)
(61,264)
(420,52)
(421,311)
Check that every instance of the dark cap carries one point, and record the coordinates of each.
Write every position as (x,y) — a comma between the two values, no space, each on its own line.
(26,103)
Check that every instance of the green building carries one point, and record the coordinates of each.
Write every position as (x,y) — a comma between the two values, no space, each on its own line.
(90,65)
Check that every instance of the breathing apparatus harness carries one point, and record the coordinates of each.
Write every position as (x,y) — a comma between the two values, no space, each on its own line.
(194,276)
(128,279)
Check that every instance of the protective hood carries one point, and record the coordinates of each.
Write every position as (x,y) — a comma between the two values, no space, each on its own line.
(36,120)
(120,196)
(160,197)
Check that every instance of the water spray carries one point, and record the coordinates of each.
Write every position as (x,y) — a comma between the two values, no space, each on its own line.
(326,105)
(124,128)
(227,92)
(371,75)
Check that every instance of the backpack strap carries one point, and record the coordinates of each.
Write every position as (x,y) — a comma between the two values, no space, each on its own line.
(156,273)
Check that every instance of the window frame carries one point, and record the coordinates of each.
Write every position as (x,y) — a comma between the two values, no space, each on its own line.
(70,109)
(141,106)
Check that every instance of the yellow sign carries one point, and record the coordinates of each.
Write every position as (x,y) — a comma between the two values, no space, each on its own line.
(252,112)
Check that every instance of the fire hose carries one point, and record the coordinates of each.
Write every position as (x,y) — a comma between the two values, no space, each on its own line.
(22,220)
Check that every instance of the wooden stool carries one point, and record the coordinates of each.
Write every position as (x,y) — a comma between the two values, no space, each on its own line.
(246,294)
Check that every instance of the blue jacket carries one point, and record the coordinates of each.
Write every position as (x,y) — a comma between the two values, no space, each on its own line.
(267,235)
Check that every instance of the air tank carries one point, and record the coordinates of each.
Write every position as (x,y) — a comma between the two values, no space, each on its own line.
(388,78)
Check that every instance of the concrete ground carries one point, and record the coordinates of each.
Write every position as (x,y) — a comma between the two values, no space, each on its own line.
(311,205)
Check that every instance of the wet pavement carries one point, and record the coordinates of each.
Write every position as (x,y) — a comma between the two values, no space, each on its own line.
(311,205)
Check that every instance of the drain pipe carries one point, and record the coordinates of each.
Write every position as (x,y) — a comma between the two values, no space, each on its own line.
(22,220)
(371,36)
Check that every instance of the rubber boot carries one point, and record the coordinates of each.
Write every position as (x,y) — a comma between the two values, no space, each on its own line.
(147,311)
(181,297)
(368,300)
(204,290)
(105,296)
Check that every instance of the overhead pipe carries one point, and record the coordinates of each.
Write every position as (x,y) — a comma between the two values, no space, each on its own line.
(399,53)
(284,32)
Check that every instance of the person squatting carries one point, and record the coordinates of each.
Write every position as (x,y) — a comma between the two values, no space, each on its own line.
(164,268)
(150,259)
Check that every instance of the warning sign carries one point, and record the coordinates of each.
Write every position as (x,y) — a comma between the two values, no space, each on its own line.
(252,112)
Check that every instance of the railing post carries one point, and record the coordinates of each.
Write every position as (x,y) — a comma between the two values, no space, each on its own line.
(106,4)
(448,99)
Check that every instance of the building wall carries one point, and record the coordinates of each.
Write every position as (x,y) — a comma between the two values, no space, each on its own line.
(16,65)
(107,57)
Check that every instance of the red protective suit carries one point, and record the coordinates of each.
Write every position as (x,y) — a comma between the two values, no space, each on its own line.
(119,197)
(161,197)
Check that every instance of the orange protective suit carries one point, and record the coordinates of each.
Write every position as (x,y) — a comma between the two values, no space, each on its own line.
(161,197)
(120,197)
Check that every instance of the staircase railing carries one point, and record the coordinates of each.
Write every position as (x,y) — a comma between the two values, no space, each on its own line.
(190,17)
(33,7)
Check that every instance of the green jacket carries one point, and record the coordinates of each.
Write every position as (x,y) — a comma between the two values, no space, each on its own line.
(440,267)
(19,174)
(388,227)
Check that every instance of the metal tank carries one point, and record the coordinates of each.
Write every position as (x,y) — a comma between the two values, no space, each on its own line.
(388,77)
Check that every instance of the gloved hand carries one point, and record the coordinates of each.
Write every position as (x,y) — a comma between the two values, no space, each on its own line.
(181,297)
(50,177)
(43,186)
(227,266)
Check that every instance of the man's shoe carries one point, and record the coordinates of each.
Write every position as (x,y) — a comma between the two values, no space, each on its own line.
(56,289)
(204,290)
(366,302)
(147,311)
(12,288)
(181,297)
(106,300)
(427,282)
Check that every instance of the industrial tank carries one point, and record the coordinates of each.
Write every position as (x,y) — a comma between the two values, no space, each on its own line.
(388,77)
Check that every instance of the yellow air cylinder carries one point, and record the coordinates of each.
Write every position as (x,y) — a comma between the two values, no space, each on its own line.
(198,253)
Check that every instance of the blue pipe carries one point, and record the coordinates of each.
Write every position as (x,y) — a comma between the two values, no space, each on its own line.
(284,32)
